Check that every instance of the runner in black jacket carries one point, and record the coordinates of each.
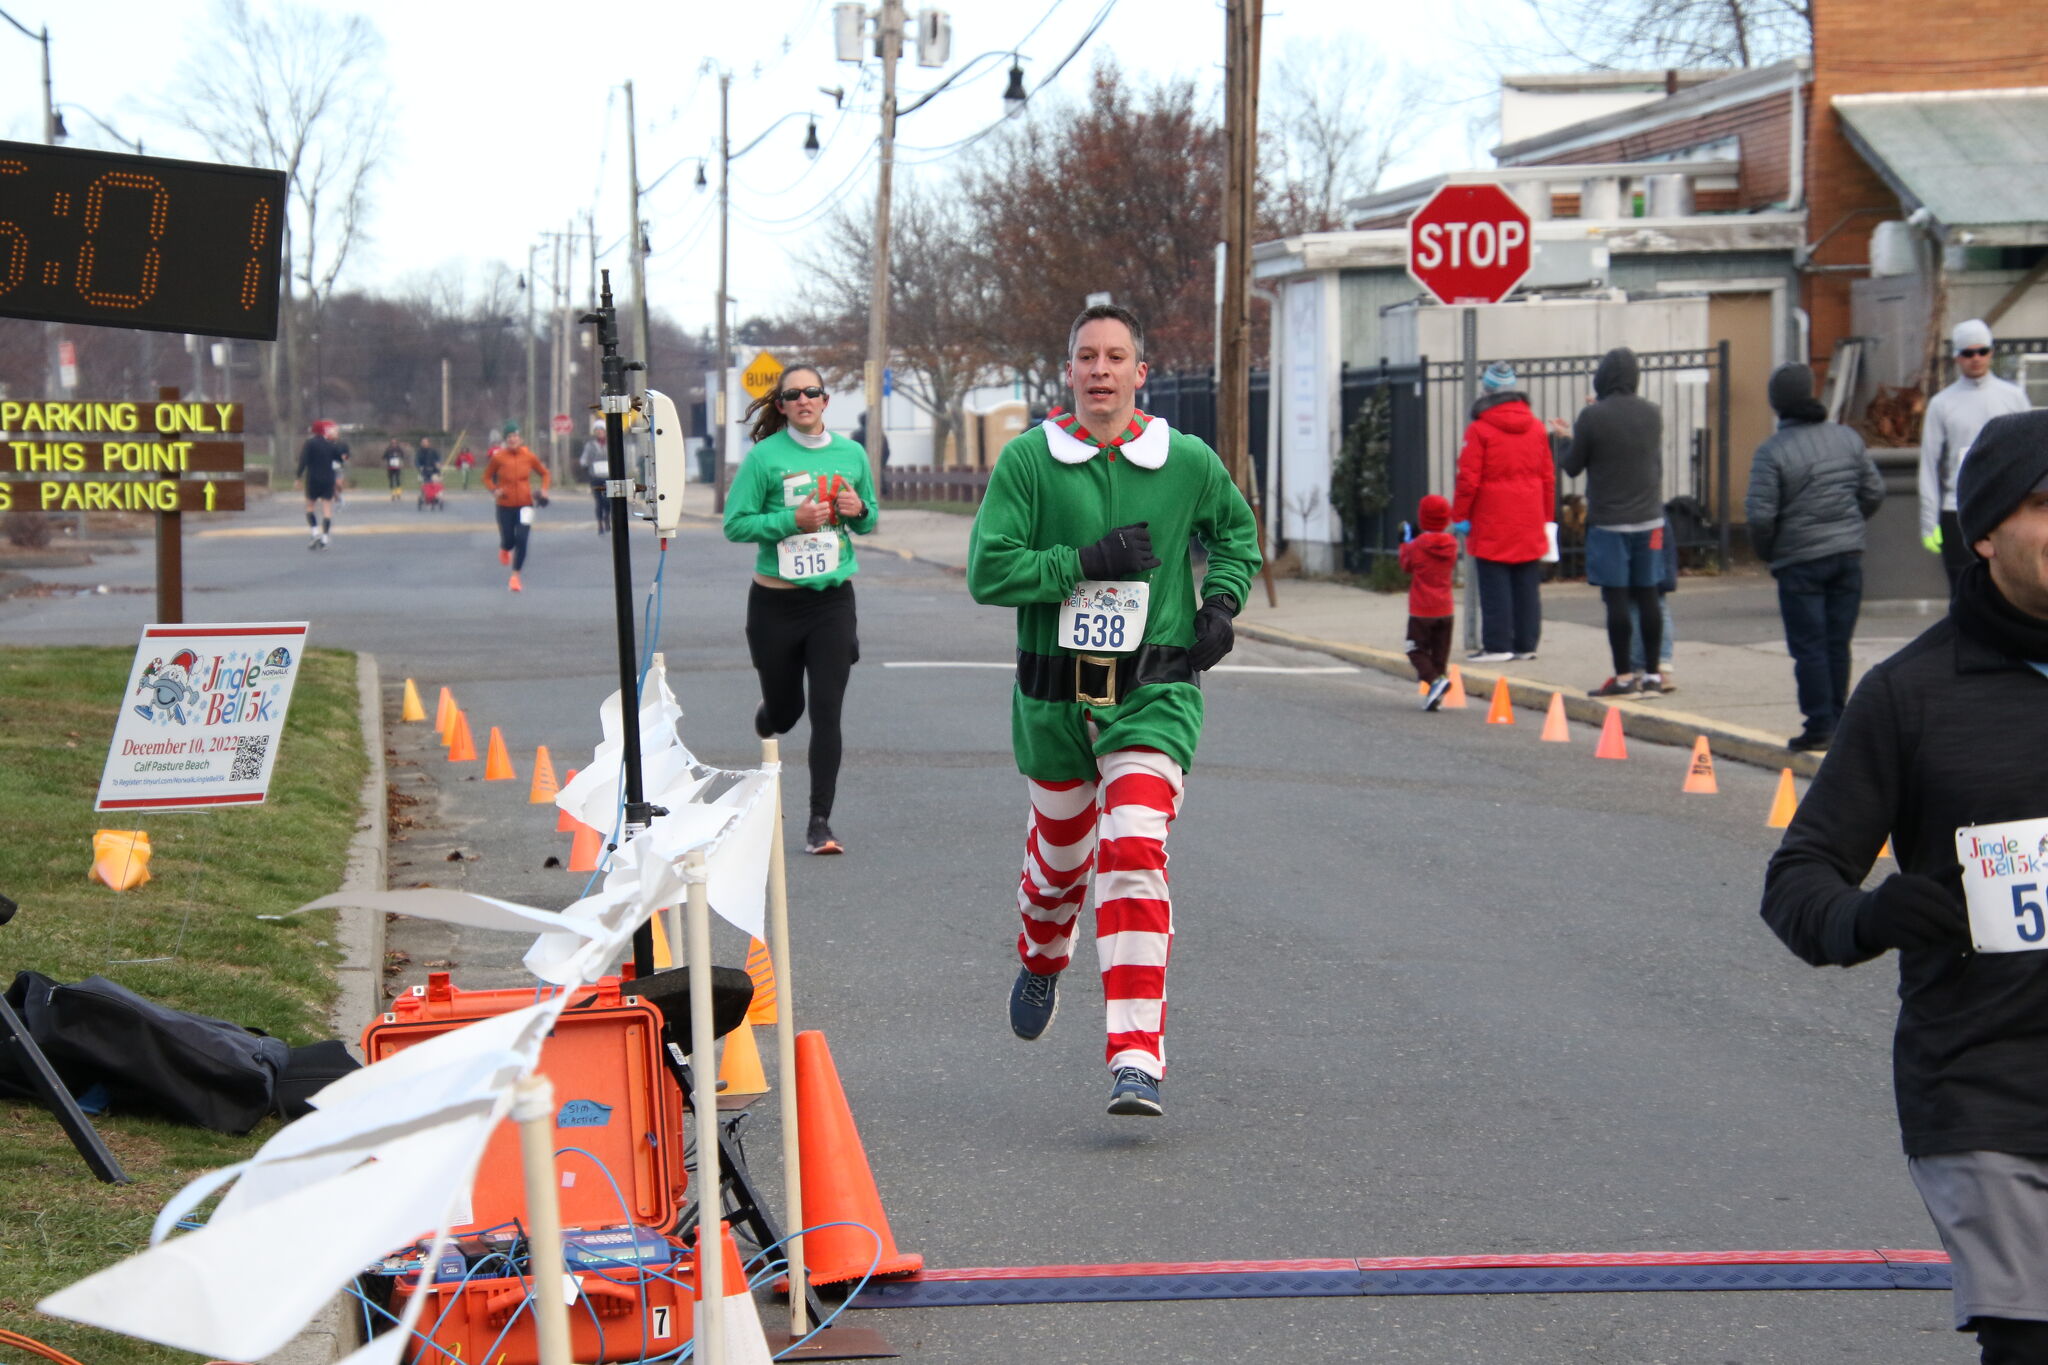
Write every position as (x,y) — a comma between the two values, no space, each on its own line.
(1949,732)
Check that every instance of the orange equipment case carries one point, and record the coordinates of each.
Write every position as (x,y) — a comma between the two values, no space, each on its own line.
(616,1101)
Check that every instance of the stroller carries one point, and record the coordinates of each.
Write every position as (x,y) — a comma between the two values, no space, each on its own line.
(430,490)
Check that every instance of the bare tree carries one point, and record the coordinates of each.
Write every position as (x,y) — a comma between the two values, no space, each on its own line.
(1336,118)
(1621,34)
(300,90)
(940,298)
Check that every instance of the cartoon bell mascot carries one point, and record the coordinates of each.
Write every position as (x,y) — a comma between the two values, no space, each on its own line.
(169,688)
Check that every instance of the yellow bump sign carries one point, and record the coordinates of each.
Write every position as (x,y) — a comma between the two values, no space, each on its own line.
(760,375)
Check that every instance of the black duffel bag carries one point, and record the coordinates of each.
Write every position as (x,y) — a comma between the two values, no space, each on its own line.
(150,1058)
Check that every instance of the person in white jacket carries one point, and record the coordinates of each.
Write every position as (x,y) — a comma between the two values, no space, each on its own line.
(1954,417)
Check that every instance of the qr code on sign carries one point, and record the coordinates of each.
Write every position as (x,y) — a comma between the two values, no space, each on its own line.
(249,758)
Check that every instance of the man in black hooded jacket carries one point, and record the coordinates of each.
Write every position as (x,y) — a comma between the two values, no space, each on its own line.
(1617,442)
(1947,734)
(1811,487)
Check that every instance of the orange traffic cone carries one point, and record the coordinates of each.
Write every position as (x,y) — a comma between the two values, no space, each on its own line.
(565,822)
(544,787)
(739,1066)
(1886,851)
(410,709)
(1784,803)
(498,763)
(1454,697)
(745,1342)
(1612,743)
(837,1183)
(444,714)
(1699,774)
(584,849)
(1555,728)
(120,858)
(463,749)
(1501,711)
(762,969)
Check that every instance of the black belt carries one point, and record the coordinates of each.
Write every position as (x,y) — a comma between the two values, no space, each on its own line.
(1101,679)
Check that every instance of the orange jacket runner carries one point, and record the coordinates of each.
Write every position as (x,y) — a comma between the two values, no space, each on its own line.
(510,473)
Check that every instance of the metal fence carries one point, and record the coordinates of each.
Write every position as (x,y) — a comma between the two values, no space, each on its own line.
(1429,406)
(919,483)
(1187,402)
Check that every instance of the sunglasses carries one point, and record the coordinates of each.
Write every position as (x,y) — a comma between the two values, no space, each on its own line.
(1973,352)
(813,391)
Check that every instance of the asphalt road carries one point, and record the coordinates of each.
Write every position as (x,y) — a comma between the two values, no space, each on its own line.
(1437,988)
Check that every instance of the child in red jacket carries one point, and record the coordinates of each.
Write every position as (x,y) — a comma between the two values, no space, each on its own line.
(1428,560)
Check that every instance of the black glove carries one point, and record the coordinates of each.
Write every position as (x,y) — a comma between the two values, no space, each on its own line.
(1214,634)
(1910,911)
(541,498)
(1121,553)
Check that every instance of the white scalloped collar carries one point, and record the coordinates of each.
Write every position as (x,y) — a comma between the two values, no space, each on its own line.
(1147,452)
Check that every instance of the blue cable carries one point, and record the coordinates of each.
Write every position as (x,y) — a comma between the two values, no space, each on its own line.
(625,1220)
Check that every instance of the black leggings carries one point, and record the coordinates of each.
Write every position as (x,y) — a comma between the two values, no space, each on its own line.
(792,632)
(512,533)
(1621,630)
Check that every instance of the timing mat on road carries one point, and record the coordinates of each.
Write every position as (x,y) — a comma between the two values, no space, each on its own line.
(1555,1273)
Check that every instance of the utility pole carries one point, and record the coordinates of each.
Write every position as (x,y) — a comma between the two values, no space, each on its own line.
(889,30)
(636,244)
(714,405)
(1242,20)
(531,286)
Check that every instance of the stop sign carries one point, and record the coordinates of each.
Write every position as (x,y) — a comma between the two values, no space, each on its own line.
(1469,244)
(562,425)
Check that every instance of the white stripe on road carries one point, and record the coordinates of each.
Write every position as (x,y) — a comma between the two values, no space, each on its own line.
(1220,668)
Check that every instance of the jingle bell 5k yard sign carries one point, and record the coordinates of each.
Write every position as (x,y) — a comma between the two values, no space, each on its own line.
(200,721)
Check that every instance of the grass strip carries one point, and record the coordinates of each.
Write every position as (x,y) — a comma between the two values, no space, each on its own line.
(212,873)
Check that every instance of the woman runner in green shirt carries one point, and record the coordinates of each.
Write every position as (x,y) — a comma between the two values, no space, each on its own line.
(797,495)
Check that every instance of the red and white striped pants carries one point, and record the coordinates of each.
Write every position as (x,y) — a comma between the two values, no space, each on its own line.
(1125,841)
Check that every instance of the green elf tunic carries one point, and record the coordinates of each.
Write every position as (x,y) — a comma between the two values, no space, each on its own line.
(775,478)
(1055,489)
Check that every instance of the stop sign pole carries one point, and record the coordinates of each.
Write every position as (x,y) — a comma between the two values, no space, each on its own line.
(1469,244)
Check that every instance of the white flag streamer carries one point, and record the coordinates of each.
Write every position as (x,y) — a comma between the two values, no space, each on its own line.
(738,880)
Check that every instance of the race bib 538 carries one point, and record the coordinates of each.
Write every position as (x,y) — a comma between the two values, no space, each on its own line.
(1104,617)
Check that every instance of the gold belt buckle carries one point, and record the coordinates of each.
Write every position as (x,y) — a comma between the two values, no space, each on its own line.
(1105,662)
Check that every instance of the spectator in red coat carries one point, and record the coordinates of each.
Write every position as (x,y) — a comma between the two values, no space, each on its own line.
(1507,491)
(1428,560)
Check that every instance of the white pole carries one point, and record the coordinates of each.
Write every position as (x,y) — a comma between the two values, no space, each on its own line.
(533,1109)
(785,1052)
(710,1321)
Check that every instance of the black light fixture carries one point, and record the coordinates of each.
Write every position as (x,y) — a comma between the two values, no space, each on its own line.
(1015,96)
(58,132)
(701,181)
(811,148)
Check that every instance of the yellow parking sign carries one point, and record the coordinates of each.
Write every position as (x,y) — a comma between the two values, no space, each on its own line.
(761,374)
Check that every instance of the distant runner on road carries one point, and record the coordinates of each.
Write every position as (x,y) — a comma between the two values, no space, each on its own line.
(318,473)
(1107,709)
(509,477)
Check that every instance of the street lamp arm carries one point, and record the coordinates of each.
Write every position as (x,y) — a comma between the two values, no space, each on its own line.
(105,127)
(26,32)
(648,188)
(795,113)
(965,67)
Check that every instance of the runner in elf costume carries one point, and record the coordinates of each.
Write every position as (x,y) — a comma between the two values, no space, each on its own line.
(1111,646)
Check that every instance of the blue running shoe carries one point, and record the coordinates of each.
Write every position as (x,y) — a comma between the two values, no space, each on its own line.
(1135,1093)
(1034,1000)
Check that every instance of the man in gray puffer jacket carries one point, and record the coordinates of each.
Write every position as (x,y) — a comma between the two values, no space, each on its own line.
(1812,486)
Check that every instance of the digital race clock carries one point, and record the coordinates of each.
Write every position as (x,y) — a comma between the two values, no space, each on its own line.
(138,241)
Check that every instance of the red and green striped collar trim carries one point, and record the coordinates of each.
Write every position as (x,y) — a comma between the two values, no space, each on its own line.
(1071,424)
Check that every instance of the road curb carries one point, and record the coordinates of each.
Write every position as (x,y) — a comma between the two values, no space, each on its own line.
(336,1332)
(1652,722)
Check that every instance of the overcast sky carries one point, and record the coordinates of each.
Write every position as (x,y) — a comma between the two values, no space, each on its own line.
(508,122)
